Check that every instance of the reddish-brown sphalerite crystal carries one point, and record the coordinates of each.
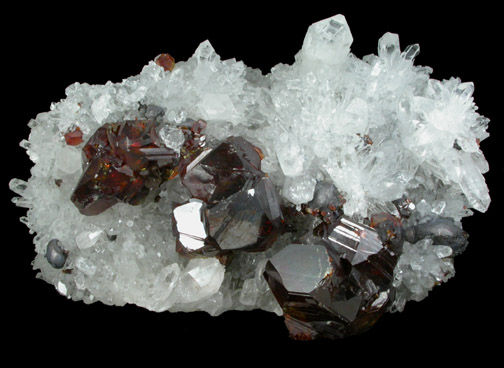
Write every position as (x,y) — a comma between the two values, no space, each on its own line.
(166,61)
(74,137)
(335,288)
(124,162)
(237,205)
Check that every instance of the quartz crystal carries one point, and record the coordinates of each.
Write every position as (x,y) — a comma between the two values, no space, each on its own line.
(329,191)
(234,206)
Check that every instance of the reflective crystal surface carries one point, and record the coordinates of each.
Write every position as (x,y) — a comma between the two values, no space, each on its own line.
(55,254)
(217,173)
(247,220)
(123,163)
(239,206)
(190,224)
(337,288)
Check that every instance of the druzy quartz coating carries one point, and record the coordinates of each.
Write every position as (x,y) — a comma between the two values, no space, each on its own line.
(329,191)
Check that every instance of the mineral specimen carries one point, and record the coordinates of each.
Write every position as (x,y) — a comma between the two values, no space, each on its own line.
(235,205)
(330,191)
(123,162)
(55,255)
(218,173)
(333,290)
(74,137)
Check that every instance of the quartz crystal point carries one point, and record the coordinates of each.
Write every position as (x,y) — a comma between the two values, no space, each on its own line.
(376,164)
(334,289)
(123,162)
(235,205)
(328,41)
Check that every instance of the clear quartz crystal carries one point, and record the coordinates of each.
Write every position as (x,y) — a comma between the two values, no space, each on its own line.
(87,239)
(172,137)
(339,139)
(299,189)
(388,45)
(328,41)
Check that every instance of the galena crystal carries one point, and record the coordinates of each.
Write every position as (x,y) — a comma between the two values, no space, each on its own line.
(55,254)
(330,191)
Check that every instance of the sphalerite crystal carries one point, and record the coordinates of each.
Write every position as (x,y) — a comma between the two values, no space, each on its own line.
(335,286)
(330,191)
(123,162)
(234,206)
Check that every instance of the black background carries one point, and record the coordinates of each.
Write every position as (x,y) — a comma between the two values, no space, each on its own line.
(44,52)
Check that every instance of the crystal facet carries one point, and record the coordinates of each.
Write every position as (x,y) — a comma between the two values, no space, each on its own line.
(123,162)
(166,61)
(55,254)
(331,190)
(337,288)
(238,204)
(74,137)
(220,172)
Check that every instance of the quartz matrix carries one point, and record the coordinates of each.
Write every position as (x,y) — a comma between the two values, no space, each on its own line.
(329,191)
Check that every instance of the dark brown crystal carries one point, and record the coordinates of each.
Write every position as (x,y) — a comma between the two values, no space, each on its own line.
(335,288)
(217,173)
(123,162)
(246,220)
(240,207)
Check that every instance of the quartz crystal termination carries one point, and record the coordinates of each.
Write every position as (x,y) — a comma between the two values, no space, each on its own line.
(351,208)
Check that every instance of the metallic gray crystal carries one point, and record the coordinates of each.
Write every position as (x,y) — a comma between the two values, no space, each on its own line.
(55,254)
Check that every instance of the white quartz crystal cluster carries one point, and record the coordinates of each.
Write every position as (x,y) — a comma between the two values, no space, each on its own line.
(421,266)
(378,128)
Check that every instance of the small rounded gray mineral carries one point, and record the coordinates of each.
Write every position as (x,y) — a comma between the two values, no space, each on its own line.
(55,254)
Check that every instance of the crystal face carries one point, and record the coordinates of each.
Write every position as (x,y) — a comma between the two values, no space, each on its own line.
(334,289)
(55,254)
(74,137)
(218,173)
(123,162)
(329,191)
(237,204)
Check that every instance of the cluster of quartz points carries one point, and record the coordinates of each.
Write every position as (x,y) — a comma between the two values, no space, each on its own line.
(350,209)
(333,279)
